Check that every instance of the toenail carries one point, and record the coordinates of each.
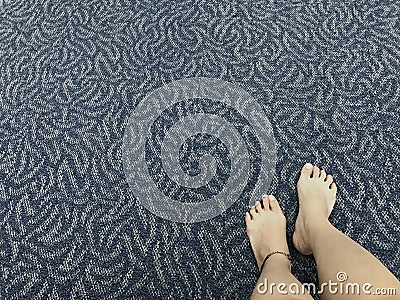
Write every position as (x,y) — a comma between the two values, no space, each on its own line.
(257,202)
(272,198)
(309,166)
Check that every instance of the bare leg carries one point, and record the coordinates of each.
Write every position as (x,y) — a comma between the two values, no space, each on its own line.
(335,252)
(266,228)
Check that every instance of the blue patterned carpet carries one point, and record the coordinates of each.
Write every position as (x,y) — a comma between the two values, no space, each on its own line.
(71,73)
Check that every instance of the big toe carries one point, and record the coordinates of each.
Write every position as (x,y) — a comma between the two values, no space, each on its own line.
(273,203)
(307,170)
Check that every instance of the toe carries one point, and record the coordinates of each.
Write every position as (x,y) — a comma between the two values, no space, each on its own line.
(329,179)
(315,173)
(333,187)
(253,212)
(265,201)
(307,170)
(322,174)
(258,207)
(273,203)
(247,218)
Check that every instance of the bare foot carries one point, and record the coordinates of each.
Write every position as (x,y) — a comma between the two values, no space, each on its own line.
(317,195)
(266,229)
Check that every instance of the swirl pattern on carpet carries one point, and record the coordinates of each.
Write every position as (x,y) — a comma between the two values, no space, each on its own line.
(326,75)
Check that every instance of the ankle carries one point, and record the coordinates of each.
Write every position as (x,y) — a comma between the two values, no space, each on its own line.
(276,262)
(317,229)
(315,221)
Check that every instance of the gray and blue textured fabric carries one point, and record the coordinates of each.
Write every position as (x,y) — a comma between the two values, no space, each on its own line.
(71,72)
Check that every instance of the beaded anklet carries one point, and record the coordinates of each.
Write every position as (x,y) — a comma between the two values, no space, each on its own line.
(276,252)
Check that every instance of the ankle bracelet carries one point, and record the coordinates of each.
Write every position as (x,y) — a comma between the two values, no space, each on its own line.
(276,252)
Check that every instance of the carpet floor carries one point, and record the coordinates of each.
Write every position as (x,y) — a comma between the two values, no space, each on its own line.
(325,74)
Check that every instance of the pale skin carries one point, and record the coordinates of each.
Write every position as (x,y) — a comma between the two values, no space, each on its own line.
(333,251)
